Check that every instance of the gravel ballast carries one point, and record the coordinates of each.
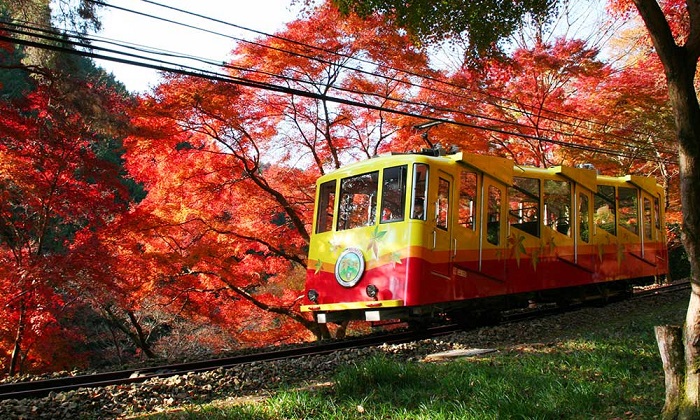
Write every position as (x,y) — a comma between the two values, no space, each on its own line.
(258,379)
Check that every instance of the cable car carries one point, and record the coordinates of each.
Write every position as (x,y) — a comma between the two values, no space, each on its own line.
(410,236)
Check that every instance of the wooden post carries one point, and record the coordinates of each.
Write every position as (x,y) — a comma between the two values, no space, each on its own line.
(670,341)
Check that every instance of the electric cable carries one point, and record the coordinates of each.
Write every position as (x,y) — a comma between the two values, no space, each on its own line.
(307,82)
(307,46)
(167,66)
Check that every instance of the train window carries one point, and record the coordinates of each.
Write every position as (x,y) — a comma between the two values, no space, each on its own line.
(443,203)
(524,205)
(326,201)
(358,201)
(420,188)
(657,213)
(628,208)
(394,194)
(604,203)
(583,217)
(493,230)
(467,199)
(557,205)
(647,218)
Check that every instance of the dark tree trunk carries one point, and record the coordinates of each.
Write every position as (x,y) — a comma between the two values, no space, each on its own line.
(137,336)
(140,337)
(17,349)
(680,66)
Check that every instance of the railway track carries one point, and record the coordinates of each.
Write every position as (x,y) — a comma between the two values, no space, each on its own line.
(42,388)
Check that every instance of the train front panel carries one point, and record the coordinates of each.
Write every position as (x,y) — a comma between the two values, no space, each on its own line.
(366,243)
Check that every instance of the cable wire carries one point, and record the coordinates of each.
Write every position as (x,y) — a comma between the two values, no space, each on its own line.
(163,65)
(534,113)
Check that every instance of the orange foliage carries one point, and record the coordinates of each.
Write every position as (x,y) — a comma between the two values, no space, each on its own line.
(230,171)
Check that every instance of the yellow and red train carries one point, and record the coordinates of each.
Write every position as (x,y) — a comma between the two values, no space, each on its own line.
(411,236)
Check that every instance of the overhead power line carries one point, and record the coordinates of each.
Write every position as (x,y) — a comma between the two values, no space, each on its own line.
(542,114)
(168,66)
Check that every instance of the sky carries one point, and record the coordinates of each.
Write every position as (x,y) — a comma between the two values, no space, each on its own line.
(266,16)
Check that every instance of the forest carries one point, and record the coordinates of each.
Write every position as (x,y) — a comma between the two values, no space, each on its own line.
(176,222)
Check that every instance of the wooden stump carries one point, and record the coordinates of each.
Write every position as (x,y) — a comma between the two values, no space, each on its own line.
(670,341)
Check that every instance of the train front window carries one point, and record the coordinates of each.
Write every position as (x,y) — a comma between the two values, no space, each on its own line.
(604,203)
(326,201)
(358,201)
(557,205)
(420,188)
(629,209)
(524,205)
(394,194)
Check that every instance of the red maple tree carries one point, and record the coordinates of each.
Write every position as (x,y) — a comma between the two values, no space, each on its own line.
(53,185)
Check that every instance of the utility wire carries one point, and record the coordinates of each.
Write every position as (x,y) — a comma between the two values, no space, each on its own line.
(461,112)
(191,71)
(163,65)
(536,113)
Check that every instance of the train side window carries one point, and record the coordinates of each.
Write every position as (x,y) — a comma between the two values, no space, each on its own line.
(493,231)
(583,217)
(604,205)
(629,209)
(420,189)
(557,206)
(524,205)
(358,201)
(443,203)
(647,218)
(326,203)
(394,194)
(657,213)
(467,199)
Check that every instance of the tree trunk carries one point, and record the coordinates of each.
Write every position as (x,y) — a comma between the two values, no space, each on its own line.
(680,65)
(687,111)
(138,337)
(17,349)
(690,405)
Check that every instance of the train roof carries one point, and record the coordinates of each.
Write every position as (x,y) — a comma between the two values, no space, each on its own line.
(500,168)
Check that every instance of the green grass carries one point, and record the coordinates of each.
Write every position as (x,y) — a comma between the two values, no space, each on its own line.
(611,372)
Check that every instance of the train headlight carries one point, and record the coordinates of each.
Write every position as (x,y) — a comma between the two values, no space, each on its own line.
(372,291)
(312,295)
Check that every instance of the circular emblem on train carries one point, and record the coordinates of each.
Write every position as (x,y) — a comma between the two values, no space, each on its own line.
(349,267)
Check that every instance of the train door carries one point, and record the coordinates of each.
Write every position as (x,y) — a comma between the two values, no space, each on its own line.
(559,233)
(492,239)
(585,253)
(649,227)
(441,240)
(465,232)
(629,233)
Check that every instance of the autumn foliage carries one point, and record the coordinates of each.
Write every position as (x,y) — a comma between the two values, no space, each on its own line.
(54,185)
(190,206)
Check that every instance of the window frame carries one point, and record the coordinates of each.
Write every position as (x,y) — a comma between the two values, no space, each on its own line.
(326,201)
(394,205)
(345,216)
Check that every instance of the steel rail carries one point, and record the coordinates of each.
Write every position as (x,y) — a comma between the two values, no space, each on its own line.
(42,388)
